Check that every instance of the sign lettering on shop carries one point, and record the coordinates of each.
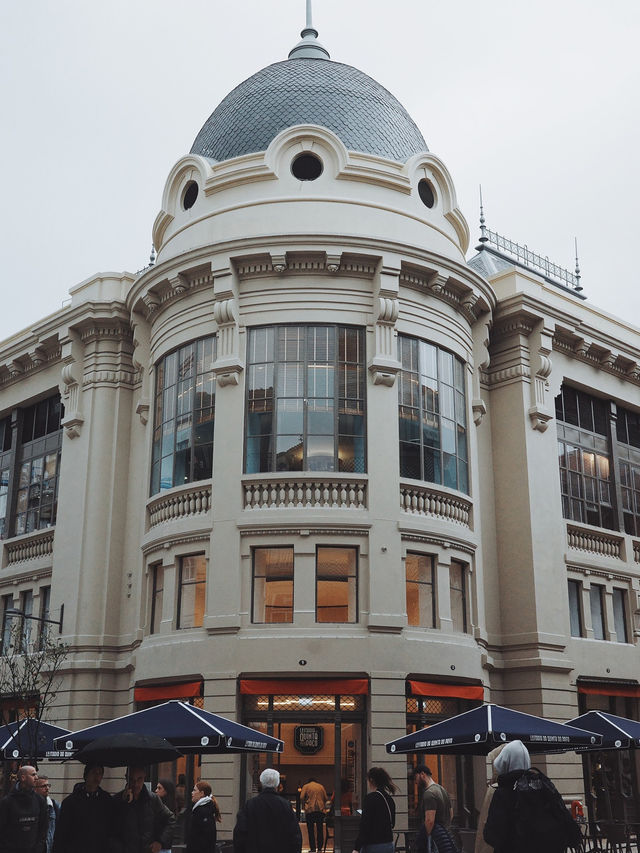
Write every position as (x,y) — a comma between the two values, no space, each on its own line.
(308,739)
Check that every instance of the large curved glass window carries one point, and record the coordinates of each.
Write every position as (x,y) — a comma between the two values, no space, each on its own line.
(184,416)
(432,410)
(305,403)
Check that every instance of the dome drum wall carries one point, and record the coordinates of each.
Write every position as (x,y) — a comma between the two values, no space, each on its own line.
(249,195)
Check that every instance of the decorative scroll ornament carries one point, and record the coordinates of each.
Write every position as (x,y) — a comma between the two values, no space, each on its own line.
(71,389)
(540,345)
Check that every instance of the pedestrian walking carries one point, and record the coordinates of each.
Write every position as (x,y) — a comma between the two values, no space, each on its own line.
(267,823)
(43,789)
(23,816)
(142,823)
(527,813)
(205,814)
(436,814)
(85,821)
(375,834)
(313,798)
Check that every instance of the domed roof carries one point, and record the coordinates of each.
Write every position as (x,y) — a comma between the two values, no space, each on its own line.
(302,90)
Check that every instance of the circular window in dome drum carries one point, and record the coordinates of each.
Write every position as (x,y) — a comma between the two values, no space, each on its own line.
(190,195)
(426,193)
(307,167)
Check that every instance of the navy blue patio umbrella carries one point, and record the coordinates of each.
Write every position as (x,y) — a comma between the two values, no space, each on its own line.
(30,738)
(617,732)
(480,730)
(190,730)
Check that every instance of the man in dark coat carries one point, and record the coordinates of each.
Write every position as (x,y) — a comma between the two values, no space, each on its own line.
(267,823)
(84,822)
(23,816)
(142,823)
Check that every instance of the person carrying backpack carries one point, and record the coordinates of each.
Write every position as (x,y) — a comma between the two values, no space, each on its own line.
(527,814)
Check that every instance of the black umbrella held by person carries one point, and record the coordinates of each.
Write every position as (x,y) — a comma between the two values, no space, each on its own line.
(128,749)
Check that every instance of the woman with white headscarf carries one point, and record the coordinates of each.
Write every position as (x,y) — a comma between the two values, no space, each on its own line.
(510,764)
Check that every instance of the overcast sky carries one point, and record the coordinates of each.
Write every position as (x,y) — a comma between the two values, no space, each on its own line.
(536,101)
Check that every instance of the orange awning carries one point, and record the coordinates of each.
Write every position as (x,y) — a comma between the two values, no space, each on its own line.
(307,687)
(630,690)
(451,691)
(167,691)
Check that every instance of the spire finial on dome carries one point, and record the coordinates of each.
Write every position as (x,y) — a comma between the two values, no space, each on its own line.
(578,286)
(309,47)
(483,229)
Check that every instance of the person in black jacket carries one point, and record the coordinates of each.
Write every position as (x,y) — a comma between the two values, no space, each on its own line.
(84,822)
(141,822)
(205,814)
(527,812)
(267,823)
(378,814)
(23,816)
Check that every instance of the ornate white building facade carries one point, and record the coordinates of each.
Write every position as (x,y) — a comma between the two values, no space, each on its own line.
(305,468)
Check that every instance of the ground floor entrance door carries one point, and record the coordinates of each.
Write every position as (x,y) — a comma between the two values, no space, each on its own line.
(324,738)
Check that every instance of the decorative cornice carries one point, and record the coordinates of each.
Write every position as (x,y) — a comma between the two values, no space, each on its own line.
(34,359)
(274,530)
(444,286)
(599,573)
(168,541)
(598,356)
(440,542)
(298,263)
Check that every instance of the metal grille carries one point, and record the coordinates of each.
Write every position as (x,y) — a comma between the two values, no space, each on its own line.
(303,703)
(432,706)
(533,260)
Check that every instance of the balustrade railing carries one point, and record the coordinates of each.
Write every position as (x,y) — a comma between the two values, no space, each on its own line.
(195,500)
(426,500)
(30,547)
(328,492)
(602,544)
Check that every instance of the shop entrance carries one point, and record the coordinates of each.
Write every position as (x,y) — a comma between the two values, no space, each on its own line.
(324,741)
(611,778)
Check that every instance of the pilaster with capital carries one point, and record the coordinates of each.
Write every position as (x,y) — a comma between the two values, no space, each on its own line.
(384,365)
(228,364)
(72,354)
(540,346)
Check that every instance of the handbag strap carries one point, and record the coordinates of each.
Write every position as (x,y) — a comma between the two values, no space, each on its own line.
(387,805)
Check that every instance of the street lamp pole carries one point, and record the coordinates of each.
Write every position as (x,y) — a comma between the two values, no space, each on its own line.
(13,611)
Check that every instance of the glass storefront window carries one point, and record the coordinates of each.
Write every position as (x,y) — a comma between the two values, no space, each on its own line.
(305,399)
(432,412)
(324,739)
(421,605)
(192,589)
(336,584)
(184,416)
(453,772)
(272,585)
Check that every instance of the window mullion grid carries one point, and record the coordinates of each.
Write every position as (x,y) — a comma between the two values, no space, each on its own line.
(614,474)
(12,486)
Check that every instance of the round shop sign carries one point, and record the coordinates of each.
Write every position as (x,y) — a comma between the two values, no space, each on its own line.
(503,736)
(476,738)
(69,744)
(204,741)
(393,747)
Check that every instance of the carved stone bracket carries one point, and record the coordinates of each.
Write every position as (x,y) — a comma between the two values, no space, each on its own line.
(71,387)
(228,365)
(142,410)
(384,366)
(279,263)
(540,346)
(481,361)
